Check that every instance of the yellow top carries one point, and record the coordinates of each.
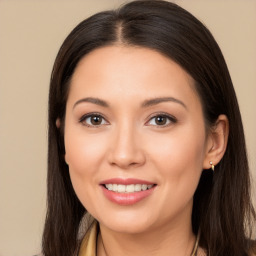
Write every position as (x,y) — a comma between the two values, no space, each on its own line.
(88,245)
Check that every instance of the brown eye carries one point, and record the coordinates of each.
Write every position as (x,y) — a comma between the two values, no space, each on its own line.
(93,120)
(161,120)
(96,120)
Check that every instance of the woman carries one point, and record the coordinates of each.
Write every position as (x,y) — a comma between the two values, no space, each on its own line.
(145,136)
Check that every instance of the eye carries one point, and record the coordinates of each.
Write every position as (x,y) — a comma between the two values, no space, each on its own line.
(161,120)
(93,120)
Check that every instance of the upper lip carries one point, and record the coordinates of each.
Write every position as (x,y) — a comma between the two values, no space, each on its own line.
(128,181)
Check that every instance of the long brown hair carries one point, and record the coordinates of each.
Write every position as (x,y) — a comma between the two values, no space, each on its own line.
(222,204)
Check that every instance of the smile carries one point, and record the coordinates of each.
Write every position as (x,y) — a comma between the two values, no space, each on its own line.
(120,188)
(127,191)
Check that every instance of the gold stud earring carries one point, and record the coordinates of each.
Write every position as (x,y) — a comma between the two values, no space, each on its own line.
(212,166)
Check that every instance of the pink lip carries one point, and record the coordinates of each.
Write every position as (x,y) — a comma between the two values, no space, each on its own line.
(126,198)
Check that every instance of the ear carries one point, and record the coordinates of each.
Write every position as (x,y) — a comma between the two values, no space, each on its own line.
(216,142)
(65,157)
(57,123)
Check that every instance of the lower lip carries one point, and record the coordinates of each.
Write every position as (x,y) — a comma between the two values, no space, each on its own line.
(127,198)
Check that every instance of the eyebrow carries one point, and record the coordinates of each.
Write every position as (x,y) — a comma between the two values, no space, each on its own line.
(145,104)
(92,100)
(155,101)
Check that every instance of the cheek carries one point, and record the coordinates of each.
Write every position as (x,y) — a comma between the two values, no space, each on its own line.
(83,152)
(84,155)
(179,156)
(179,162)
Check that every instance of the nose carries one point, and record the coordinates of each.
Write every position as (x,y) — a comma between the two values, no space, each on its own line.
(126,148)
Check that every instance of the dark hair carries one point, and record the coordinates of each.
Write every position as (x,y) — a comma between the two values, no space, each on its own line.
(222,205)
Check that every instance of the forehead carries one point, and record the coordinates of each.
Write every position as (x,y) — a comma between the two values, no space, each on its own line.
(130,71)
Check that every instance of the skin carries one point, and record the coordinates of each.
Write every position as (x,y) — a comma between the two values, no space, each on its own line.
(129,143)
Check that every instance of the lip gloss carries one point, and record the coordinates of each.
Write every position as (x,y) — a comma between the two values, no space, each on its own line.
(126,198)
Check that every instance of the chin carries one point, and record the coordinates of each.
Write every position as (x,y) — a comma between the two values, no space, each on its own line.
(128,228)
(128,224)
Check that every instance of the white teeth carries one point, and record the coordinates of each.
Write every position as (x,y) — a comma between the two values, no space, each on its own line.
(144,187)
(114,187)
(109,186)
(137,187)
(129,188)
(119,188)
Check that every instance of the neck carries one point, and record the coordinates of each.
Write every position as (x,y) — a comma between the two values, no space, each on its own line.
(166,240)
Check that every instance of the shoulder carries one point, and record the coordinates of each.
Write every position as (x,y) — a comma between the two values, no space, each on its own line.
(253,252)
(201,252)
(253,248)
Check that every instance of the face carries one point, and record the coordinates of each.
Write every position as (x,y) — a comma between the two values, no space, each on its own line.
(135,138)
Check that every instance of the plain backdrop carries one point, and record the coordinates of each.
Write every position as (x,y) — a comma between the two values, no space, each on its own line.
(31,33)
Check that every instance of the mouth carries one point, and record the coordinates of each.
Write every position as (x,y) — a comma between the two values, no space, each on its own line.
(127,191)
(131,188)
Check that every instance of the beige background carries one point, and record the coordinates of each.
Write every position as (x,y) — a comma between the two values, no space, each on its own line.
(30,35)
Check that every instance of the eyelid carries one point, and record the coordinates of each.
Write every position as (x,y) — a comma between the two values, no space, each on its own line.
(91,114)
(171,118)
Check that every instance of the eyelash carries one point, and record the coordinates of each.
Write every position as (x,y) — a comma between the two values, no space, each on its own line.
(90,115)
(170,119)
